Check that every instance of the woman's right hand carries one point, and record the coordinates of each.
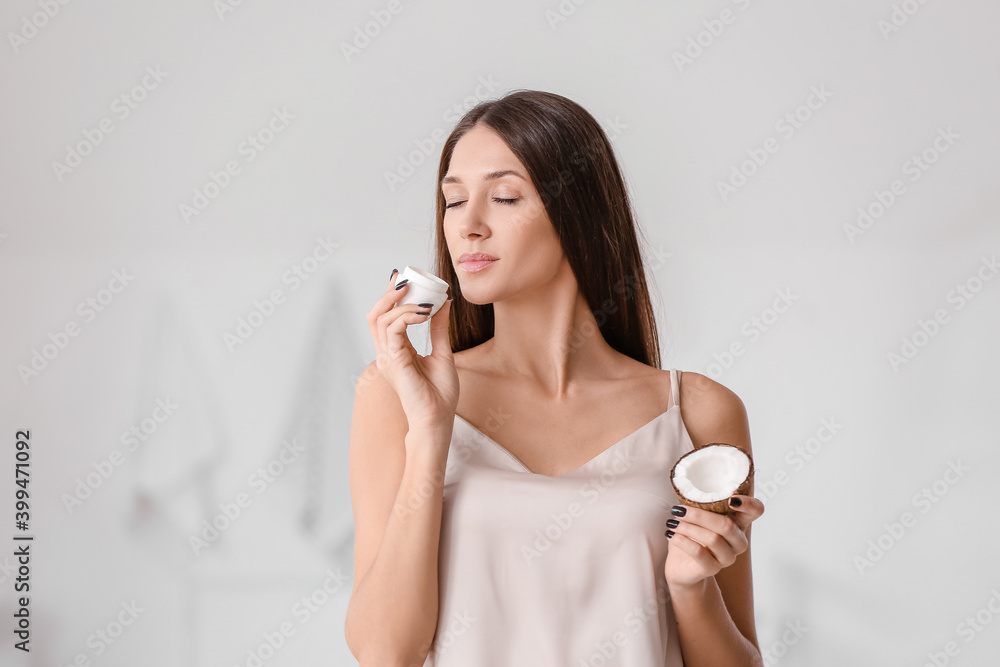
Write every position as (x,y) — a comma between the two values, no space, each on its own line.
(427,386)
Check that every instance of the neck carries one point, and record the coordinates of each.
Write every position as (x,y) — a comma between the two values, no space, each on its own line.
(548,338)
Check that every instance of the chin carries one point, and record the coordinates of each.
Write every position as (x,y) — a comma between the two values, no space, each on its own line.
(478,299)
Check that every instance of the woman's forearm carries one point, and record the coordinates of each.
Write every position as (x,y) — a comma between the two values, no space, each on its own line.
(708,636)
(393,613)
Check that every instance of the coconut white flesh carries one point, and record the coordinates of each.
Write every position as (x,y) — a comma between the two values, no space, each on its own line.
(711,473)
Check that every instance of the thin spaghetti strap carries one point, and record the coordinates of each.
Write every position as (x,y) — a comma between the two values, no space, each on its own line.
(674,389)
(678,394)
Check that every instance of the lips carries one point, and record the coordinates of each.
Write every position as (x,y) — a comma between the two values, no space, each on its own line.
(476,257)
(472,262)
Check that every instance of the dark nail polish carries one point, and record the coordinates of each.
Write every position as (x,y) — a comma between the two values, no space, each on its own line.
(426,305)
(400,284)
(423,312)
(669,534)
(735,502)
(678,510)
(394,272)
(673,523)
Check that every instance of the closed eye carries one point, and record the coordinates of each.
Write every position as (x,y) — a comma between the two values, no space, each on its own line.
(496,199)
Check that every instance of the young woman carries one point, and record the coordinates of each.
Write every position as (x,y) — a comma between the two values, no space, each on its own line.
(521,520)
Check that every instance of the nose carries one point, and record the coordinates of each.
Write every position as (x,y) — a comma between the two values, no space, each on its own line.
(473,220)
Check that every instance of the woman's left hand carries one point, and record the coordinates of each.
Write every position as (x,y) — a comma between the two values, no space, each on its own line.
(704,542)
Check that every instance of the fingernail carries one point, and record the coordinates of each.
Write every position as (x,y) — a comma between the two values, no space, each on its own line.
(669,534)
(426,305)
(673,523)
(424,312)
(735,502)
(400,284)
(394,272)
(678,510)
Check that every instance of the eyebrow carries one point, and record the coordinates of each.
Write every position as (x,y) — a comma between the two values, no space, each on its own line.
(488,176)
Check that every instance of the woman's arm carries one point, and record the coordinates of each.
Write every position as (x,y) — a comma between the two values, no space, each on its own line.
(710,577)
(392,615)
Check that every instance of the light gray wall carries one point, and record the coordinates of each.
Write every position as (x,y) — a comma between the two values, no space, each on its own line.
(880,96)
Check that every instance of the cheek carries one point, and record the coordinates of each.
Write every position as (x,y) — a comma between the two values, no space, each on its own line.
(534,210)
(539,245)
(451,238)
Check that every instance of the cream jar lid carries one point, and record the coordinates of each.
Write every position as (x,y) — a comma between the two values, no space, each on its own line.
(425,279)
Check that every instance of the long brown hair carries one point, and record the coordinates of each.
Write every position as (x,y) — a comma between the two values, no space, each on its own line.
(572,165)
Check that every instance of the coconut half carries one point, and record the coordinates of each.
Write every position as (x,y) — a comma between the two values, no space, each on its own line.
(707,476)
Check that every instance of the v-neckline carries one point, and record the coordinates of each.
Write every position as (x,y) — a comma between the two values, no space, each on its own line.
(597,456)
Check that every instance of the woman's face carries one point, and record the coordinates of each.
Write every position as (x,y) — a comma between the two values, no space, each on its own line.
(492,208)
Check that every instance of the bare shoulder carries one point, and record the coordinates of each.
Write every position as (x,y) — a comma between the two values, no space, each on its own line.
(712,412)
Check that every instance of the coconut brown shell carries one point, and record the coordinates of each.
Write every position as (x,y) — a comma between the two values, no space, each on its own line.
(719,506)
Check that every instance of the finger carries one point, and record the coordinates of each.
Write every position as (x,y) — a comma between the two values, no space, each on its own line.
(725,547)
(386,305)
(440,321)
(746,510)
(392,323)
(699,553)
(396,321)
(380,307)
(720,524)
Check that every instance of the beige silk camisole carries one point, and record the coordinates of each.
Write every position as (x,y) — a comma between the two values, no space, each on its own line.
(558,571)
